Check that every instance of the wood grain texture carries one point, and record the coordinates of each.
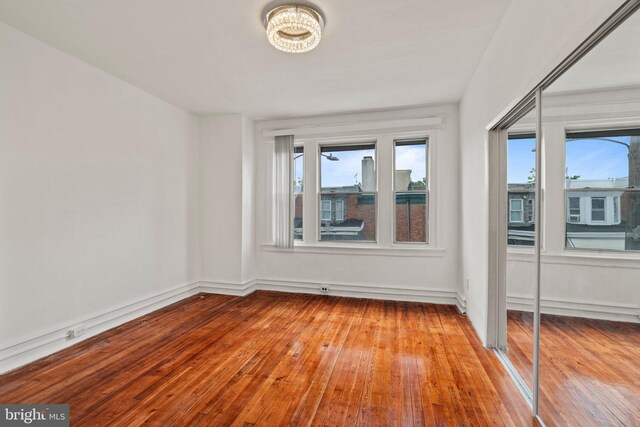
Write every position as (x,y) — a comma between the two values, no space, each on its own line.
(589,369)
(279,359)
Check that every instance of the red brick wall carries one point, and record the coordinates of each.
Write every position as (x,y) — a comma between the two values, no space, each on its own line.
(624,205)
(298,206)
(363,211)
(417,226)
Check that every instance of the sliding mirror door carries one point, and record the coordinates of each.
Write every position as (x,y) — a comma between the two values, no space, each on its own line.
(590,269)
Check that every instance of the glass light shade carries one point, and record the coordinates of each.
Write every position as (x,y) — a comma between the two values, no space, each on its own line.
(294,28)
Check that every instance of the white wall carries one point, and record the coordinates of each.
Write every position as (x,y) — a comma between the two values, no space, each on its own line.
(532,38)
(389,273)
(98,188)
(227,182)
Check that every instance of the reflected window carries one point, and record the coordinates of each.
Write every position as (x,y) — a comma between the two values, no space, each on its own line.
(602,188)
(521,183)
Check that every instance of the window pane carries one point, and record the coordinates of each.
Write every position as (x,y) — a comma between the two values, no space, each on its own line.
(603,173)
(298,189)
(411,165)
(521,180)
(411,217)
(325,207)
(597,209)
(339,210)
(601,159)
(358,220)
(348,168)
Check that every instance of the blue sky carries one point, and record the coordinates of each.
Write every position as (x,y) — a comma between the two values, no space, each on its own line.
(589,158)
(346,171)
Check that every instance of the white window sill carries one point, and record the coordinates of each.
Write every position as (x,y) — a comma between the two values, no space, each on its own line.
(367,249)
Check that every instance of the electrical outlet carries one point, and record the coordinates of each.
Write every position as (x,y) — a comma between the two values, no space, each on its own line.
(324,289)
(467,283)
(76,331)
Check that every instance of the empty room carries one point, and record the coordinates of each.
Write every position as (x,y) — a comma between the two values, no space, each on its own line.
(341,213)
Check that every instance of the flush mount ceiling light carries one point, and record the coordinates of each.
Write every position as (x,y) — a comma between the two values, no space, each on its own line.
(294,28)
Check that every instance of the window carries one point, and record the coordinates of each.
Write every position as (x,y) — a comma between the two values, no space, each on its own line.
(603,171)
(298,191)
(348,184)
(339,210)
(574,209)
(597,208)
(326,210)
(521,184)
(411,191)
(516,211)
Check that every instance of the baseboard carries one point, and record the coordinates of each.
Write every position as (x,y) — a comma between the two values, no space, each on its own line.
(577,308)
(436,296)
(461,302)
(40,345)
(226,288)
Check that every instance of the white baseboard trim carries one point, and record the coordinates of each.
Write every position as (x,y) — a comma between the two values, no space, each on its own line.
(44,344)
(577,308)
(461,302)
(436,296)
(40,345)
(226,288)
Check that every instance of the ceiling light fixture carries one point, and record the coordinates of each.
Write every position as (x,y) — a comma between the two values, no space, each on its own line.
(294,28)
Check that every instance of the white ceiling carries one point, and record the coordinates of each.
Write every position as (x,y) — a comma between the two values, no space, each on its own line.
(613,63)
(212,56)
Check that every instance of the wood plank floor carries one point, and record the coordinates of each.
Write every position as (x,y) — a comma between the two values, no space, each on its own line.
(278,359)
(589,369)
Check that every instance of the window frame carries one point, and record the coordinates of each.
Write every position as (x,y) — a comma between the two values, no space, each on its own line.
(322,210)
(341,210)
(297,149)
(603,209)
(521,210)
(426,191)
(571,132)
(569,209)
(342,144)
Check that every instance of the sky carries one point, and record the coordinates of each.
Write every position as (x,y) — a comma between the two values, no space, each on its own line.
(348,170)
(588,158)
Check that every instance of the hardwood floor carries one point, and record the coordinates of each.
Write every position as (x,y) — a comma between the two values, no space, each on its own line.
(278,359)
(589,369)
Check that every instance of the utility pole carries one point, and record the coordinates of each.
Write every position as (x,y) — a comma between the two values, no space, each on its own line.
(632,241)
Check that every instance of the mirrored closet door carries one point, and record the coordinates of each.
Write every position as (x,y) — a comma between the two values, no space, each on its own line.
(566,200)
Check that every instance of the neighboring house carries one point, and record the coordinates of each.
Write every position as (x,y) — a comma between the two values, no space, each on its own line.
(521,214)
(595,218)
(348,212)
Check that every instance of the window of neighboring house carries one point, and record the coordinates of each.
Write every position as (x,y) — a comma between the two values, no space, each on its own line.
(532,210)
(411,191)
(574,209)
(298,191)
(521,182)
(339,210)
(516,211)
(326,210)
(348,182)
(597,209)
(603,168)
